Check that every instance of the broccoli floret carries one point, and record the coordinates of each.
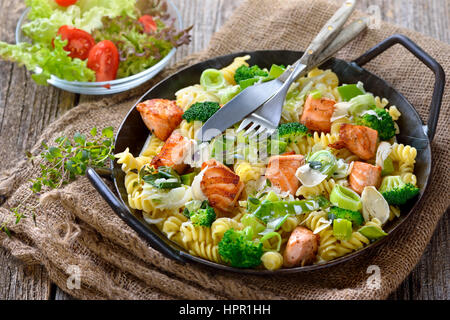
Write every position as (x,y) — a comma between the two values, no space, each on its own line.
(244,73)
(200,213)
(396,191)
(290,132)
(382,122)
(201,111)
(354,216)
(203,217)
(237,248)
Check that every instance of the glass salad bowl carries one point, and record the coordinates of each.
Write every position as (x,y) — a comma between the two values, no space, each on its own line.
(114,86)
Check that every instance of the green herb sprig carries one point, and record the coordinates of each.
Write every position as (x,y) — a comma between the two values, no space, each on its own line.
(69,159)
(65,161)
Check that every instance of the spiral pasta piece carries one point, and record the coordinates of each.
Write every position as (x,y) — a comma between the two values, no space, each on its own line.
(229,71)
(405,171)
(247,171)
(153,148)
(129,162)
(374,222)
(305,144)
(394,212)
(136,200)
(324,188)
(132,182)
(272,260)
(172,227)
(290,224)
(193,233)
(346,155)
(317,221)
(394,113)
(190,129)
(188,96)
(356,242)
(336,125)
(221,225)
(301,146)
(403,153)
(381,103)
(205,250)
(325,138)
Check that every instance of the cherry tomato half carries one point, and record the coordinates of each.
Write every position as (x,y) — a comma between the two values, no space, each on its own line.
(66,3)
(104,60)
(79,42)
(148,23)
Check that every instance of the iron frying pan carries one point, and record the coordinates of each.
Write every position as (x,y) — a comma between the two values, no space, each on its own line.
(133,134)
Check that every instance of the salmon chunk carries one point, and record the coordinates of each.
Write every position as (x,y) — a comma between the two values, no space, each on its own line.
(172,153)
(161,116)
(281,171)
(360,140)
(364,175)
(317,114)
(301,249)
(220,185)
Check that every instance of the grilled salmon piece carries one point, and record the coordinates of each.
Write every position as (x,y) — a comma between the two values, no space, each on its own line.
(161,116)
(281,171)
(360,140)
(301,248)
(220,185)
(317,114)
(172,153)
(364,175)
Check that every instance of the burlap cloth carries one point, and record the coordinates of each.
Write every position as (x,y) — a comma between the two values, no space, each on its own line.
(75,226)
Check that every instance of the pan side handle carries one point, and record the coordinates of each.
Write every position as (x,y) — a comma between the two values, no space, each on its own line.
(120,209)
(431,63)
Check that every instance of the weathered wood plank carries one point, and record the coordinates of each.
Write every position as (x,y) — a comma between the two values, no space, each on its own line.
(25,110)
(21,282)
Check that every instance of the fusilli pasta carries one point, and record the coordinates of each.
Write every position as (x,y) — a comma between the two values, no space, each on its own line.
(229,71)
(272,260)
(247,171)
(324,188)
(221,225)
(188,96)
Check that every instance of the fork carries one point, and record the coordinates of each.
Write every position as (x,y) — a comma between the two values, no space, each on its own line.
(264,121)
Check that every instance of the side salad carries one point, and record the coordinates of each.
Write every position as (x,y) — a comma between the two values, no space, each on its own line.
(94,40)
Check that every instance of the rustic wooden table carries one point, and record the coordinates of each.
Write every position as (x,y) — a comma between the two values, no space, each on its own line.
(26,109)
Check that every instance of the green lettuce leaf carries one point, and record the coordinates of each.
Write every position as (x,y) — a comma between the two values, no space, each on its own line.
(51,61)
(138,50)
(46,18)
(40,8)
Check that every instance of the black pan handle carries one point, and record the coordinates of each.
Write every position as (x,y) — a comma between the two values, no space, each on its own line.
(123,211)
(427,60)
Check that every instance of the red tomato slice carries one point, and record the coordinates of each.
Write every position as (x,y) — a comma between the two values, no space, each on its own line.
(66,3)
(79,43)
(104,60)
(148,23)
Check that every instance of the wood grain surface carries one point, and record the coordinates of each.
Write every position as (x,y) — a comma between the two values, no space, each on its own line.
(26,109)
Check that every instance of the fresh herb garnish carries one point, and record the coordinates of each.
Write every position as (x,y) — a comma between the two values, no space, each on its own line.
(63,162)
(69,159)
